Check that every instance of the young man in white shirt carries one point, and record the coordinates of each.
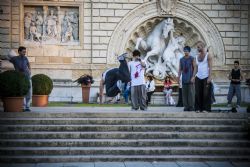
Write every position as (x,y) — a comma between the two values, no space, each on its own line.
(138,87)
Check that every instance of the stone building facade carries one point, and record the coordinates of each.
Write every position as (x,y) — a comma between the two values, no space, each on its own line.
(110,27)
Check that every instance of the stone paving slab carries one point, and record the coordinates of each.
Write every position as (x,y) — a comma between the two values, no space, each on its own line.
(164,164)
(49,165)
(241,164)
(80,164)
(219,164)
(133,164)
(191,164)
(109,164)
(138,164)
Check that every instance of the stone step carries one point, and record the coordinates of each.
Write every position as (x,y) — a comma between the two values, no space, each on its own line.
(120,113)
(123,135)
(15,151)
(122,121)
(131,128)
(124,142)
(91,158)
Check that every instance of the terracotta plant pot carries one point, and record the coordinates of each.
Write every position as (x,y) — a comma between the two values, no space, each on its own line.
(40,100)
(13,104)
(85,93)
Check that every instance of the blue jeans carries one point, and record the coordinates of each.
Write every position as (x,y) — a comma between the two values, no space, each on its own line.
(27,98)
(126,94)
(234,89)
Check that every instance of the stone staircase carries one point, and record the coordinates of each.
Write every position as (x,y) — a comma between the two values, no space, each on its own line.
(123,136)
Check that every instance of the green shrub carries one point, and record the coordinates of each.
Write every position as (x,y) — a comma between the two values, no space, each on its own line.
(13,84)
(42,84)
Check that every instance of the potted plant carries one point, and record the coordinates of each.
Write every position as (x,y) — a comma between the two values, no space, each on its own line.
(42,86)
(13,87)
(85,81)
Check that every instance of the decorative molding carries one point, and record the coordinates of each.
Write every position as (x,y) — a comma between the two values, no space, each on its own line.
(184,11)
(167,7)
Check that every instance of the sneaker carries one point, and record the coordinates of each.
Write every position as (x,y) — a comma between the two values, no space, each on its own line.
(119,84)
(27,110)
(237,106)
(122,56)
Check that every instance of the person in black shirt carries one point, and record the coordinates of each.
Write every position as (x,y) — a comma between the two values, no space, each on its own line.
(235,76)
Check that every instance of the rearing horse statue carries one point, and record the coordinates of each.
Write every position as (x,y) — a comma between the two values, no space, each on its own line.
(156,41)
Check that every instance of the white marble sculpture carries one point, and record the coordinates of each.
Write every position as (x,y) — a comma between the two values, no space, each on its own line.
(163,50)
(52,25)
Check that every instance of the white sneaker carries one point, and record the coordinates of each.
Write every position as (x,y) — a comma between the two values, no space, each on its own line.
(122,56)
(119,84)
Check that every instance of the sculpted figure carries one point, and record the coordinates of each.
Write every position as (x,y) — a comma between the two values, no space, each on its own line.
(52,24)
(34,34)
(173,53)
(75,25)
(27,23)
(39,22)
(155,42)
(162,57)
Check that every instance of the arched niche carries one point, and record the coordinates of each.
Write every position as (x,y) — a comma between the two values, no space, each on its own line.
(143,18)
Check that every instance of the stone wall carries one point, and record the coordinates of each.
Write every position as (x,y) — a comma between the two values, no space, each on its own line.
(100,19)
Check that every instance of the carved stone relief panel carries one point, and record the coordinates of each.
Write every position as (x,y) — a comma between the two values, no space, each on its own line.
(50,23)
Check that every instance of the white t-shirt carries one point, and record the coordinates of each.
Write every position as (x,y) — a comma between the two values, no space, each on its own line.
(137,73)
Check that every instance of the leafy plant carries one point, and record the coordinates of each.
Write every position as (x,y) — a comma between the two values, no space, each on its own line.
(41,84)
(13,84)
(85,79)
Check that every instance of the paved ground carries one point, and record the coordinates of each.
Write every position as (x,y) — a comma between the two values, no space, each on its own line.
(135,164)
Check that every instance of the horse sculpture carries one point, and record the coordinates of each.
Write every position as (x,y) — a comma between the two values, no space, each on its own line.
(162,57)
(156,41)
(169,62)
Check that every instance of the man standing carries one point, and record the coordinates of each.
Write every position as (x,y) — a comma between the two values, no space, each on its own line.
(21,64)
(186,71)
(138,88)
(235,76)
(202,76)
